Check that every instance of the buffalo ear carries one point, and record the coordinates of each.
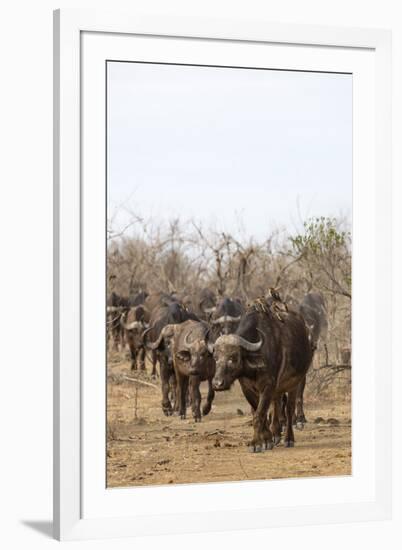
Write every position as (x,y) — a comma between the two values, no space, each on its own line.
(184,355)
(254,362)
(139,313)
(168,332)
(210,345)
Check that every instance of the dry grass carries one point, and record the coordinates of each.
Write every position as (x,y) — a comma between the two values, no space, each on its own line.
(146,448)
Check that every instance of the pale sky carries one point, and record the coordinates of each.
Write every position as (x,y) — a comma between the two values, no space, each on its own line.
(219,144)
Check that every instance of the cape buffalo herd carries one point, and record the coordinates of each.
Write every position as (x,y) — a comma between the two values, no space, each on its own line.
(266,344)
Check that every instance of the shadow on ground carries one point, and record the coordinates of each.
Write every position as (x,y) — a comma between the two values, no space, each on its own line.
(43,527)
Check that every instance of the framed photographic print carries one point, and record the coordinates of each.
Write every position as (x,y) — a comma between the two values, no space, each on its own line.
(222,274)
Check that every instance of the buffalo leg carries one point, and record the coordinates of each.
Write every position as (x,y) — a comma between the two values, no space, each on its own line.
(275,425)
(173,391)
(282,411)
(108,335)
(141,358)
(133,353)
(298,417)
(250,396)
(290,409)
(262,439)
(116,338)
(165,378)
(122,339)
(210,397)
(182,386)
(188,399)
(259,409)
(195,397)
(154,359)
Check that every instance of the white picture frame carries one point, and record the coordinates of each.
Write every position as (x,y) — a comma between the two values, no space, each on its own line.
(83,507)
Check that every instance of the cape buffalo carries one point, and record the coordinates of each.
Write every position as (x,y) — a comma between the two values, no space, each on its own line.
(138,298)
(202,303)
(193,363)
(314,312)
(269,357)
(134,322)
(155,340)
(115,306)
(225,319)
(158,299)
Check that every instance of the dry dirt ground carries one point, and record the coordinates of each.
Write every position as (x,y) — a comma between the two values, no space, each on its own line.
(147,448)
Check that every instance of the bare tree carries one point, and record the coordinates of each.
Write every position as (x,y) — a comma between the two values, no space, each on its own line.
(184,257)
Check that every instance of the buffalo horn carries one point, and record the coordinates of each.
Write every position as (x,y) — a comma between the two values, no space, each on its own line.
(250,346)
(131,326)
(235,339)
(186,342)
(166,331)
(226,319)
(112,309)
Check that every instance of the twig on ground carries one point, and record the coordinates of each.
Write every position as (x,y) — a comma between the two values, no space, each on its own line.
(243,470)
(135,402)
(336,367)
(142,382)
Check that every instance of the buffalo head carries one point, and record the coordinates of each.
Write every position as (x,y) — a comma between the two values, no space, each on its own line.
(196,352)
(226,323)
(163,342)
(228,357)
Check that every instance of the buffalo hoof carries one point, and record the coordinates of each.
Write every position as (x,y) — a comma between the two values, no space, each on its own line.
(167,410)
(206,409)
(183,416)
(289,443)
(259,447)
(277,439)
(197,418)
(255,448)
(299,425)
